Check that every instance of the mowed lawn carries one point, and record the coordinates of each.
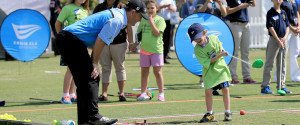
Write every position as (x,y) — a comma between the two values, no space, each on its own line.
(42,79)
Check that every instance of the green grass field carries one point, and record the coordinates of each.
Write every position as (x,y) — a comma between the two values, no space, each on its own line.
(42,79)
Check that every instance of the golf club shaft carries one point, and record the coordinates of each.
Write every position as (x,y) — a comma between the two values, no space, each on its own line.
(239,59)
(280,69)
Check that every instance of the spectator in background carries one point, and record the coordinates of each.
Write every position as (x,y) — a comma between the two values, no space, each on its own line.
(240,28)
(71,13)
(166,8)
(217,8)
(114,53)
(55,9)
(188,8)
(179,5)
(290,8)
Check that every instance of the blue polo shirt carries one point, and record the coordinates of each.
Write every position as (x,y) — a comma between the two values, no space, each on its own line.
(240,15)
(102,25)
(291,11)
(278,21)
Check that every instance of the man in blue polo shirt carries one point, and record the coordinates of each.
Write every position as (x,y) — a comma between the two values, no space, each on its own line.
(238,17)
(94,32)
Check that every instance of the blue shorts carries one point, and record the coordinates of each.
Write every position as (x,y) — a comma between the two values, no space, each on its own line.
(221,86)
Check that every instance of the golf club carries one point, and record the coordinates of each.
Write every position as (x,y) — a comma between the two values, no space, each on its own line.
(258,63)
(279,91)
(46,100)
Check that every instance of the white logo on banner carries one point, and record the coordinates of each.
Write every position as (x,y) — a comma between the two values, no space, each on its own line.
(24,31)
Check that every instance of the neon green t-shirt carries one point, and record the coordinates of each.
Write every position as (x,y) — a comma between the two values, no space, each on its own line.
(151,43)
(212,73)
(71,13)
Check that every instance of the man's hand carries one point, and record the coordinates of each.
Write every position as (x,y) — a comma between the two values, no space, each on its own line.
(243,5)
(96,71)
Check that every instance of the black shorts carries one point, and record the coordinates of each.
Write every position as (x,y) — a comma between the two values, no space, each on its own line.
(221,86)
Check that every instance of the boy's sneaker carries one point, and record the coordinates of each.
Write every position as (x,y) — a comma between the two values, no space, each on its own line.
(66,100)
(143,97)
(207,118)
(266,90)
(286,90)
(104,121)
(161,98)
(74,99)
(228,116)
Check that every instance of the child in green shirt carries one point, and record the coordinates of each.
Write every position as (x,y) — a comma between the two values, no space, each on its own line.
(151,53)
(216,74)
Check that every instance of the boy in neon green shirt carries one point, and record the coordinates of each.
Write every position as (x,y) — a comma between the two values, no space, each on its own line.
(216,74)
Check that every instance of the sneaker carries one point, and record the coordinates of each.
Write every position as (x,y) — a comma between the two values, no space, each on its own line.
(66,100)
(74,99)
(104,121)
(286,90)
(207,118)
(2,103)
(249,81)
(122,98)
(227,116)
(235,81)
(215,92)
(143,97)
(161,98)
(266,90)
(102,98)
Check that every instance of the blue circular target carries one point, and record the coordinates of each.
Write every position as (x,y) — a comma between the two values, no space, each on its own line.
(25,34)
(185,49)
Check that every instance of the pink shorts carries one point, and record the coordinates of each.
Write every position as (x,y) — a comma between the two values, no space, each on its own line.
(151,60)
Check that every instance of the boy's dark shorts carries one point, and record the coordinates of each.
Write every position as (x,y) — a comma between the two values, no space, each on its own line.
(221,86)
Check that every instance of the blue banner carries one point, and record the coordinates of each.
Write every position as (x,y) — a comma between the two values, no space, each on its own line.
(25,34)
(185,49)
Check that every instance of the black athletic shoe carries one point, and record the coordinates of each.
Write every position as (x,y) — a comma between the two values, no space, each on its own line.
(207,118)
(104,121)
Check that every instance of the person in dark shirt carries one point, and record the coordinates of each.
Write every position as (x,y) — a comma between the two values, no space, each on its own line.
(240,28)
(278,27)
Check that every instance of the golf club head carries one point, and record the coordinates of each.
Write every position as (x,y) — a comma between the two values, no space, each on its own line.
(150,94)
(258,63)
(281,92)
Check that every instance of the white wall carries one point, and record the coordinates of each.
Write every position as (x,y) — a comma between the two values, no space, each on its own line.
(42,6)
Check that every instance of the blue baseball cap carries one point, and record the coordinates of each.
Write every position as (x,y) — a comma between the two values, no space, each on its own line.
(195,31)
